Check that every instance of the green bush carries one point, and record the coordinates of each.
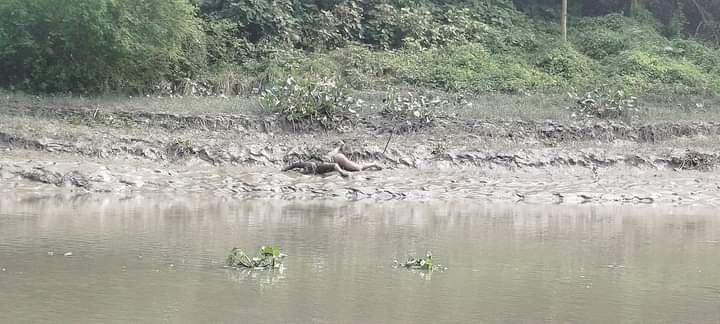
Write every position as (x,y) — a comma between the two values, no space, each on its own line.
(600,37)
(357,66)
(611,22)
(469,68)
(599,44)
(565,62)
(316,99)
(458,45)
(291,63)
(706,58)
(225,45)
(96,45)
(652,69)
(455,68)
(412,113)
(257,20)
(335,28)
(361,67)
(606,104)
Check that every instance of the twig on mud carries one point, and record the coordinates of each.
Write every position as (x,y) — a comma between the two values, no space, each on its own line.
(388,142)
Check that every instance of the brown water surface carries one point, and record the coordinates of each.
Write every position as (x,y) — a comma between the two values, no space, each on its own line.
(152,260)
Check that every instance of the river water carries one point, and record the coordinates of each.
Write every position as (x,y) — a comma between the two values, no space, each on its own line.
(160,259)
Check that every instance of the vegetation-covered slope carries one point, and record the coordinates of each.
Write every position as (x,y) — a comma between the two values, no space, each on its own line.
(91,46)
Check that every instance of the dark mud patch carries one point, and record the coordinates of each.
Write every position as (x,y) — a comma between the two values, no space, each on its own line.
(74,178)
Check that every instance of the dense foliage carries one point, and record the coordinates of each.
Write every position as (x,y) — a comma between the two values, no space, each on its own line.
(94,45)
(457,45)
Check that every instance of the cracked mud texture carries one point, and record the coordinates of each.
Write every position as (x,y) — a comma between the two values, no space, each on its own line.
(84,149)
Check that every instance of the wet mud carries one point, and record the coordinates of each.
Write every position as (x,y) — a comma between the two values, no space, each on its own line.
(85,150)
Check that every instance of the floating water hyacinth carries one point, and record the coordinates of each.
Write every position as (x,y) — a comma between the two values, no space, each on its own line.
(267,257)
(425,263)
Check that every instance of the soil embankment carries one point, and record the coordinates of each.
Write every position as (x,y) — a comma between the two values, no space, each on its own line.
(82,149)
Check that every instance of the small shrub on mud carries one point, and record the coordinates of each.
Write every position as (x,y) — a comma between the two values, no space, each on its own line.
(439,148)
(605,105)
(694,160)
(411,113)
(100,119)
(323,100)
(180,148)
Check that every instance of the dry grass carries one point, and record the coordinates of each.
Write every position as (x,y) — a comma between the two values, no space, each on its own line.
(555,106)
(196,105)
(680,108)
(491,106)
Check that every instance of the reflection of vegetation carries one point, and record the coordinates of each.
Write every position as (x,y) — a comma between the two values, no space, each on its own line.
(418,263)
(266,257)
(261,278)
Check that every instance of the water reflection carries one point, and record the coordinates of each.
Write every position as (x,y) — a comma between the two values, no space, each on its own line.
(260,277)
(150,259)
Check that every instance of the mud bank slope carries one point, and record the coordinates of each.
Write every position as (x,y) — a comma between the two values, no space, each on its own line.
(92,150)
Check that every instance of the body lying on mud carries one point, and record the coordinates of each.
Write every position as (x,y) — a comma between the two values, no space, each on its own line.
(340,163)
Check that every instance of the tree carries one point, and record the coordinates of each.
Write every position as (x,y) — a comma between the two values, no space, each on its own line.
(563,20)
(93,45)
(634,6)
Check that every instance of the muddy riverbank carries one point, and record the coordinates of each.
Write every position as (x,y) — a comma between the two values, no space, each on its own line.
(84,149)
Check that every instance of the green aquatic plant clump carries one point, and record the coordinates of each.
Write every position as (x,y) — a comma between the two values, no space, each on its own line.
(423,263)
(267,257)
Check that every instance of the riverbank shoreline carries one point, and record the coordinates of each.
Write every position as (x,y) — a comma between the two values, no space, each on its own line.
(60,148)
